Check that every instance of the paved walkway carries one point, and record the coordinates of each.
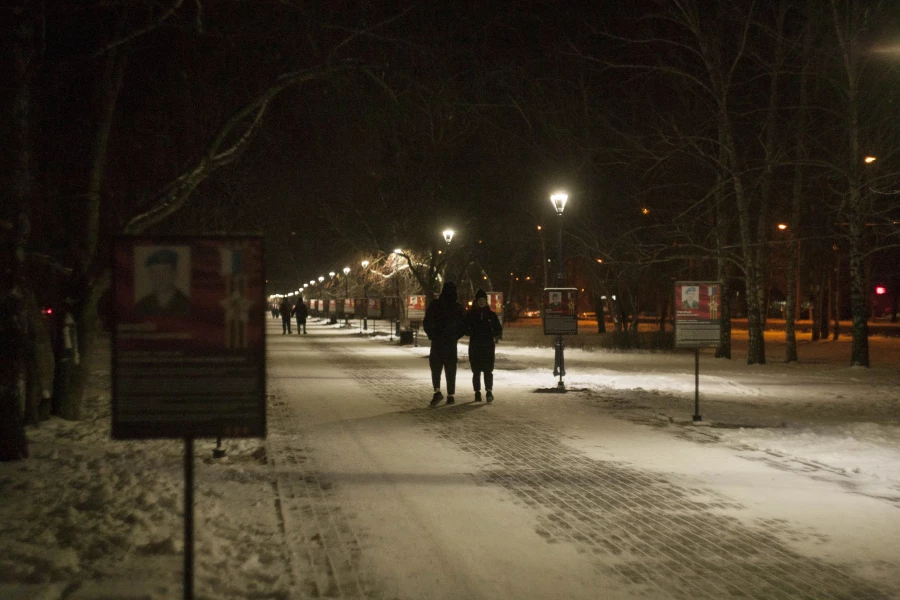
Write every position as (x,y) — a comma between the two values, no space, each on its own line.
(382,497)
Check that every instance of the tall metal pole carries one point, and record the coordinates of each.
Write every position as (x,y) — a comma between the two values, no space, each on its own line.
(560,366)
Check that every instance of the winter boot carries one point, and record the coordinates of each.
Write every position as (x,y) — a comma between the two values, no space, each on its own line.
(490,396)
(450,400)
(478,396)
(436,399)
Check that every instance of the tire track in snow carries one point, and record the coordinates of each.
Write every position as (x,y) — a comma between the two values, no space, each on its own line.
(642,528)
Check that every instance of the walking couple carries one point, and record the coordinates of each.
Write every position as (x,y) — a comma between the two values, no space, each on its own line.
(445,323)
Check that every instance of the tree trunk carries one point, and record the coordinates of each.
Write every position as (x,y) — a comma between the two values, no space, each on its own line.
(837,298)
(14,233)
(815,307)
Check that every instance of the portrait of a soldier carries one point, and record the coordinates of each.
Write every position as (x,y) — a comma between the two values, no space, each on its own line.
(165,298)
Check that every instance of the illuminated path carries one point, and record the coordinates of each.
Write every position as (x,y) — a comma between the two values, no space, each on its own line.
(535,496)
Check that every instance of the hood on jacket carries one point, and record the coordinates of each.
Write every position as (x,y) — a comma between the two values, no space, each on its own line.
(480,294)
(448,292)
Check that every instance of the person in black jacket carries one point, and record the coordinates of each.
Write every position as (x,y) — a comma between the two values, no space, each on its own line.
(285,310)
(444,324)
(301,312)
(484,330)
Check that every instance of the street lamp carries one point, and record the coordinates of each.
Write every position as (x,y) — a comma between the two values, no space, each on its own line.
(346,282)
(448,235)
(365,265)
(559,199)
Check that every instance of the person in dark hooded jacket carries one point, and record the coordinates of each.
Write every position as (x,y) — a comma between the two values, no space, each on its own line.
(484,329)
(444,324)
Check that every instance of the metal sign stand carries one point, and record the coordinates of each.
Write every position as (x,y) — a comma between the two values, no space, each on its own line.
(188,518)
(697,416)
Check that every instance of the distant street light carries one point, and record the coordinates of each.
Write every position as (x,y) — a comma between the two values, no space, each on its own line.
(782,226)
(331,274)
(365,265)
(398,251)
(870,159)
(448,235)
(346,284)
(321,279)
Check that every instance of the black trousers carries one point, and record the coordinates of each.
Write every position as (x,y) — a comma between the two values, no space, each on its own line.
(301,326)
(286,324)
(449,368)
(488,380)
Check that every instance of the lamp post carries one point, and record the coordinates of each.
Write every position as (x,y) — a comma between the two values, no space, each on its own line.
(365,266)
(559,200)
(346,271)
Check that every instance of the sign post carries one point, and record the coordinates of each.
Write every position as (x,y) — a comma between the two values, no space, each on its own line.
(560,318)
(188,341)
(697,323)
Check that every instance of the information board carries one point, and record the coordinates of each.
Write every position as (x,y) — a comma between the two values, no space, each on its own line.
(390,308)
(697,314)
(188,345)
(560,311)
(495,302)
(415,307)
(373,308)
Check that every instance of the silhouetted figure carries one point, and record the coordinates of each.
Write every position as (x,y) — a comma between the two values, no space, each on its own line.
(484,330)
(444,324)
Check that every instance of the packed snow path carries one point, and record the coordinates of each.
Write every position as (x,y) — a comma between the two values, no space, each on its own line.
(537,495)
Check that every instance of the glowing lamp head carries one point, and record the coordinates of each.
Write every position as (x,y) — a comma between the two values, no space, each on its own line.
(448,235)
(870,159)
(365,264)
(346,270)
(398,251)
(559,200)
(305,285)
(782,226)
(331,273)
(321,279)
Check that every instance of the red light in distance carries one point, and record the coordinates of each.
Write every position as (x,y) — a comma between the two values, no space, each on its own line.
(880,290)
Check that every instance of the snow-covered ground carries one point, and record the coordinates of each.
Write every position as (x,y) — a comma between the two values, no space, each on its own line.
(87,518)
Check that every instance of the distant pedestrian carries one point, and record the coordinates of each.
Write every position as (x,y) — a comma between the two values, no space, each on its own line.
(484,331)
(444,324)
(284,309)
(301,312)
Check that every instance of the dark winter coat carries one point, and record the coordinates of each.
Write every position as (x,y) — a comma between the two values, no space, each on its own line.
(301,312)
(482,327)
(285,310)
(444,324)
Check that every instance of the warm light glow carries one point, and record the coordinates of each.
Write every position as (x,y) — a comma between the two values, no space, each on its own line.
(398,251)
(321,279)
(305,285)
(448,235)
(346,270)
(528,278)
(364,264)
(331,273)
(782,226)
(559,200)
(539,227)
(645,211)
(312,282)
(880,290)
(599,260)
(870,159)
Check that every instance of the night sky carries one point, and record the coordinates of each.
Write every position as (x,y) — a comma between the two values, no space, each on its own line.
(419,116)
